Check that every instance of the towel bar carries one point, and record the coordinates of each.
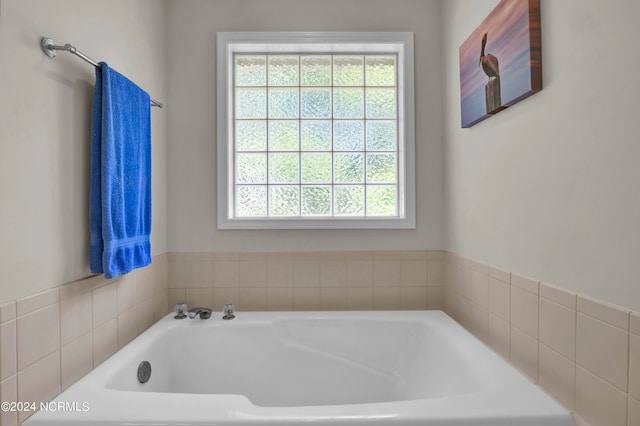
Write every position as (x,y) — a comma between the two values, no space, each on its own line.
(49,48)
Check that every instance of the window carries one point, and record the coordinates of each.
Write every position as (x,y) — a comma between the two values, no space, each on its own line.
(315,130)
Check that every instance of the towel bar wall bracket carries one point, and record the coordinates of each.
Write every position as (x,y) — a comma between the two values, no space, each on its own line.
(50,49)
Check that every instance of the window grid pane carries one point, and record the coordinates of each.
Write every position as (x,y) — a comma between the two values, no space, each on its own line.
(331,150)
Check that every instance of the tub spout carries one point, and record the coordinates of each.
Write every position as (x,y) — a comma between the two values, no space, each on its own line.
(204,313)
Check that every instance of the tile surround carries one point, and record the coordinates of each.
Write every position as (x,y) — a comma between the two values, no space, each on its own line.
(583,352)
(352,280)
(51,339)
(550,334)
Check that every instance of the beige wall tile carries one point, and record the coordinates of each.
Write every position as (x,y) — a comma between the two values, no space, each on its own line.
(7,311)
(175,295)
(436,255)
(460,279)
(127,285)
(413,255)
(38,334)
(76,315)
(252,299)
(160,305)
(634,412)
(524,311)
(500,299)
(634,323)
(306,270)
(435,298)
(559,296)
(386,298)
(435,273)
(524,353)
(479,267)
(479,322)
(145,285)
(279,271)
(159,274)
(105,304)
(450,302)
(9,392)
(127,327)
(464,306)
(253,272)
(76,360)
(558,328)
(199,256)
(224,296)
(557,375)
(598,402)
(499,336)
(199,273)
(634,366)
(105,341)
(39,382)
(75,288)
(413,273)
(604,312)
(8,342)
(360,273)
(126,290)
(333,298)
(306,299)
(360,299)
(173,257)
(500,274)
(226,273)
(29,304)
(225,255)
(144,315)
(479,289)
(279,299)
(333,273)
(413,298)
(177,271)
(460,260)
(525,283)
(603,350)
(199,297)
(98,281)
(386,273)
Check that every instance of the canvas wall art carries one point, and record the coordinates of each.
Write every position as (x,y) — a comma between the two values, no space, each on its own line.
(501,61)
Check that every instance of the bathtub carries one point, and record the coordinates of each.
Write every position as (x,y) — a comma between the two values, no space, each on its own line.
(301,368)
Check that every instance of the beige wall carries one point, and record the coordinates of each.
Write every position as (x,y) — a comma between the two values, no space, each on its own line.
(549,187)
(45,111)
(192,128)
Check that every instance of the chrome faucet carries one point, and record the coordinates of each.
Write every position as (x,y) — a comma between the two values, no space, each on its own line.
(181,310)
(204,313)
(228,312)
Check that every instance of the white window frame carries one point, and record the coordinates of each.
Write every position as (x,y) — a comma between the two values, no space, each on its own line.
(398,43)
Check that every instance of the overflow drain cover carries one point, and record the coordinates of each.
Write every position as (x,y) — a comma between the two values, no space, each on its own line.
(144,372)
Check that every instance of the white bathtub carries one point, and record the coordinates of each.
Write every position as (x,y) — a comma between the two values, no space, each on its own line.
(299,368)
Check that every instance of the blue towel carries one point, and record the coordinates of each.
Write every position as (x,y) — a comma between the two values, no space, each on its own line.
(120,190)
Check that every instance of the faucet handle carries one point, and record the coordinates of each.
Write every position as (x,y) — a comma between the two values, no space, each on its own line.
(181,309)
(228,312)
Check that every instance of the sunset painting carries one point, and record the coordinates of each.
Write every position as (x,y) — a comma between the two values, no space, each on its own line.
(500,62)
